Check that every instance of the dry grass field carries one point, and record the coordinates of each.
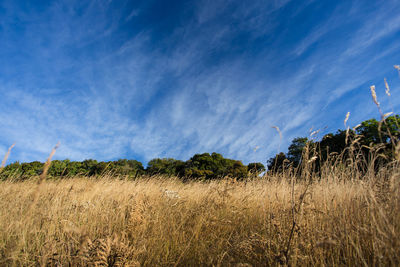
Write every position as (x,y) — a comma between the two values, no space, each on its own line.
(159,221)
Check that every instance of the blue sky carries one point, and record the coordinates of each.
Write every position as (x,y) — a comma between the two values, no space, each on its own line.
(145,79)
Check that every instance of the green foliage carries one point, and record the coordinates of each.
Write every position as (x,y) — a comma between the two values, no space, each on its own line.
(67,168)
(58,168)
(213,166)
(294,155)
(277,163)
(12,170)
(256,168)
(296,150)
(131,168)
(203,166)
(34,168)
(369,134)
(165,166)
(238,170)
(376,132)
(334,142)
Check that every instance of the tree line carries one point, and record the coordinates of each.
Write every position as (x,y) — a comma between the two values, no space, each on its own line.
(201,166)
(382,137)
(370,140)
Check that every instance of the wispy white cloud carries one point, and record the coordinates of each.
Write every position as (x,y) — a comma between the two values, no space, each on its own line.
(376,28)
(106,94)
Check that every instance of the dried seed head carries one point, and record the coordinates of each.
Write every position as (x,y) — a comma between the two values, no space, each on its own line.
(347,135)
(3,163)
(47,163)
(373,93)
(355,127)
(347,118)
(397,67)
(387,115)
(312,159)
(279,131)
(314,133)
(387,87)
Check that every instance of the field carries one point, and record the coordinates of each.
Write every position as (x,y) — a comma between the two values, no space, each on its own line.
(161,221)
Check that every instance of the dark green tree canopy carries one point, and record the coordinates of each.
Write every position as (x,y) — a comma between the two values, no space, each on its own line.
(377,132)
(256,167)
(296,149)
(165,166)
(203,166)
(278,162)
(369,133)
(213,166)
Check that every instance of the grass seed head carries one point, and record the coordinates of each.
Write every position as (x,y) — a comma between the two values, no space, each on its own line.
(278,130)
(397,67)
(387,115)
(3,163)
(47,163)
(347,118)
(373,93)
(387,91)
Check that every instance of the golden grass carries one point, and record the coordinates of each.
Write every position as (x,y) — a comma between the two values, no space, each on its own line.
(374,98)
(112,222)
(3,163)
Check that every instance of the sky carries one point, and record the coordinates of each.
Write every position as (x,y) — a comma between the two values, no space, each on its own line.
(147,79)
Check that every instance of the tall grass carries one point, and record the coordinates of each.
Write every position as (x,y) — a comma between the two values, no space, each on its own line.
(114,222)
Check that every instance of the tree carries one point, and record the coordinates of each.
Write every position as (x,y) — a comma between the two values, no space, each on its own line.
(12,170)
(376,132)
(34,168)
(349,143)
(213,166)
(334,142)
(58,168)
(237,170)
(256,168)
(89,167)
(296,150)
(277,163)
(126,167)
(165,166)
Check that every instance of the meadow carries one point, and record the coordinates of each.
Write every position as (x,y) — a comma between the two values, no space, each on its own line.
(277,219)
